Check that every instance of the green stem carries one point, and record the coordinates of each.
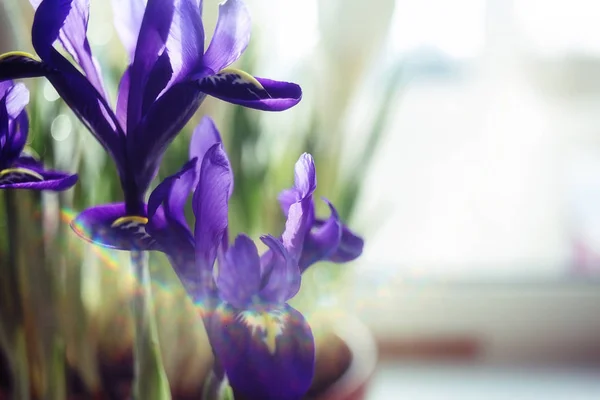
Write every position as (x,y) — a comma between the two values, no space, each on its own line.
(150,382)
(11,313)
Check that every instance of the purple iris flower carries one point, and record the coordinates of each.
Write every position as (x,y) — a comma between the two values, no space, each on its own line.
(169,75)
(265,346)
(19,170)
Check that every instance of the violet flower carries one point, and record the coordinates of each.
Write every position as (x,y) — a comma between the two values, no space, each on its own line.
(265,346)
(169,76)
(19,170)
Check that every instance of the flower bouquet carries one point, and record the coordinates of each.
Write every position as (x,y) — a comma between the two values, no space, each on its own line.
(261,347)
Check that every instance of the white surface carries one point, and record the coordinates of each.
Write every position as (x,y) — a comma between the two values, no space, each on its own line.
(476,382)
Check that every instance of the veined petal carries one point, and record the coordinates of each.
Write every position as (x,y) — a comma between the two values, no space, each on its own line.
(238,87)
(108,225)
(231,35)
(25,178)
(210,205)
(18,65)
(186,39)
(128,17)
(239,277)
(267,354)
(150,44)
(281,277)
(204,137)
(321,242)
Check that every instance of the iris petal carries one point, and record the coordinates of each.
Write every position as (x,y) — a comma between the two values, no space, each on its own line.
(23,178)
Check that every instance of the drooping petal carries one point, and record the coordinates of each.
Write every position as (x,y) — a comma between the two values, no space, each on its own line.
(23,178)
(231,35)
(150,44)
(167,224)
(301,213)
(238,87)
(128,17)
(266,354)
(321,242)
(163,121)
(281,278)
(210,205)
(108,225)
(49,19)
(19,65)
(239,273)
(350,248)
(205,135)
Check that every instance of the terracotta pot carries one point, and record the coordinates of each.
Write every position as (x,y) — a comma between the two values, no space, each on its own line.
(350,358)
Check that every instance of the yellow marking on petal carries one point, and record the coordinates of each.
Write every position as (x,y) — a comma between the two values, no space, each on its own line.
(19,54)
(269,323)
(124,220)
(25,171)
(244,75)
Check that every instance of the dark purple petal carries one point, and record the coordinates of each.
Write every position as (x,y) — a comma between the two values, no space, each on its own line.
(151,41)
(238,87)
(128,17)
(73,37)
(266,354)
(300,214)
(239,273)
(18,65)
(231,35)
(164,120)
(167,224)
(159,77)
(13,121)
(204,137)
(89,106)
(210,205)
(350,248)
(108,225)
(322,241)
(49,19)
(24,178)
(281,278)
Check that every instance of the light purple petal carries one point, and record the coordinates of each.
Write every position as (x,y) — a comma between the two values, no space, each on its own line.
(186,38)
(204,137)
(300,214)
(281,278)
(210,205)
(286,198)
(108,225)
(322,241)
(122,98)
(239,273)
(23,178)
(238,87)
(267,354)
(231,35)
(128,17)
(150,44)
